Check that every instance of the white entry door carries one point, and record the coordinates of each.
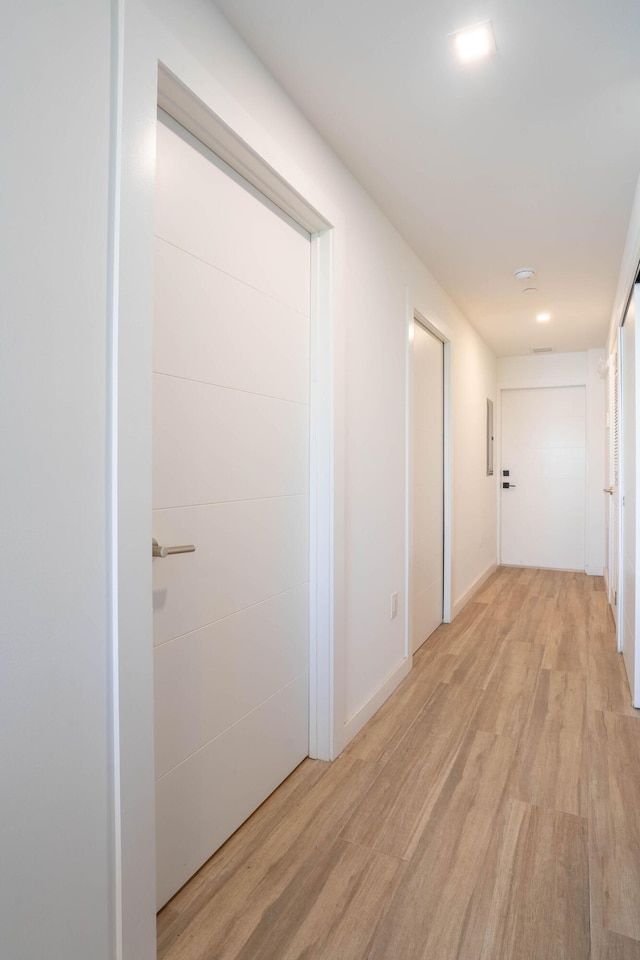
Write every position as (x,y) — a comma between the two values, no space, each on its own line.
(428,485)
(629,633)
(231,476)
(543,461)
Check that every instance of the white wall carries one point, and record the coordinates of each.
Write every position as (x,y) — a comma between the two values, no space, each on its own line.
(378,268)
(563,370)
(54,823)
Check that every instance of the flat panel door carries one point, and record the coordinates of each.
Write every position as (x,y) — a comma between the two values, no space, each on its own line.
(428,485)
(230,475)
(543,450)
(629,533)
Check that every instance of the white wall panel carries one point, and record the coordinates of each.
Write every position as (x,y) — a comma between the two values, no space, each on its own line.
(262,345)
(256,652)
(212,444)
(264,251)
(201,802)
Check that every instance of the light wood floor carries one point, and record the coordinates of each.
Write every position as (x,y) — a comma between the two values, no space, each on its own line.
(489,811)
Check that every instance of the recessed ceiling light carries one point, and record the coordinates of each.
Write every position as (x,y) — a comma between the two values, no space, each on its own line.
(524,273)
(474,43)
(543,317)
(530,290)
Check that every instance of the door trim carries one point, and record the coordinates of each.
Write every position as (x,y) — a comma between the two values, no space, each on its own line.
(619,586)
(152,67)
(413,315)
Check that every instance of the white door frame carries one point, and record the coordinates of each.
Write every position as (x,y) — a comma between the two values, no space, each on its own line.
(623,361)
(620,597)
(154,69)
(614,587)
(413,315)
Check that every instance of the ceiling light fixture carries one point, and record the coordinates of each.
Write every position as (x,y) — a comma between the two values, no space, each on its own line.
(530,290)
(524,273)
(543,317)
(474,43)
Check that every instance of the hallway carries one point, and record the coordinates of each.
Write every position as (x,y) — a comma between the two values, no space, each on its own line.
(489,809)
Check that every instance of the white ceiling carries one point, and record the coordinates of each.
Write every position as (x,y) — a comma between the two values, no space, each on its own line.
(527,159)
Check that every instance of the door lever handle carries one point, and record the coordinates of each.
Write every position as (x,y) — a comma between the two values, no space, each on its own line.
(608,490)
(158,551)
(505,486)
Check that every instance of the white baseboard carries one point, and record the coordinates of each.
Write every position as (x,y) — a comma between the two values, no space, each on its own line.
(595,572)
(466,597)
(373,704)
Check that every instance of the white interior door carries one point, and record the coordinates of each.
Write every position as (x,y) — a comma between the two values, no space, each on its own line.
(427,553)
(543,450)
(230,475)
(629,534)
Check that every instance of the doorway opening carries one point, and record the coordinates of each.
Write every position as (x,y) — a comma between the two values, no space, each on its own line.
(429,523)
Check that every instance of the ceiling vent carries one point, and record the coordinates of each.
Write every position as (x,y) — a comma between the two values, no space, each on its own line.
(542,350)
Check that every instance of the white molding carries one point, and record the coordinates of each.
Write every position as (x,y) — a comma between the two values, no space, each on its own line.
(537,383)
(620,581)
(462,601)
(321,539)
(176,99)
(356,722)
(595,571)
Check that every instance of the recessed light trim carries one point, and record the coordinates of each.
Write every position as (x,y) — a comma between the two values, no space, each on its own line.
(524,273)
(543,317)
(474,43)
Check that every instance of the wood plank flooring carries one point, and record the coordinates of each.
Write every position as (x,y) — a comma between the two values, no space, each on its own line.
(489,811)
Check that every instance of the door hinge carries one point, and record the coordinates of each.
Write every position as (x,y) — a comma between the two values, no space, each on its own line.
(615,598)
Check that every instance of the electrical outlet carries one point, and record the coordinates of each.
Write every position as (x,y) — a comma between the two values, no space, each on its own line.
(394,605)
